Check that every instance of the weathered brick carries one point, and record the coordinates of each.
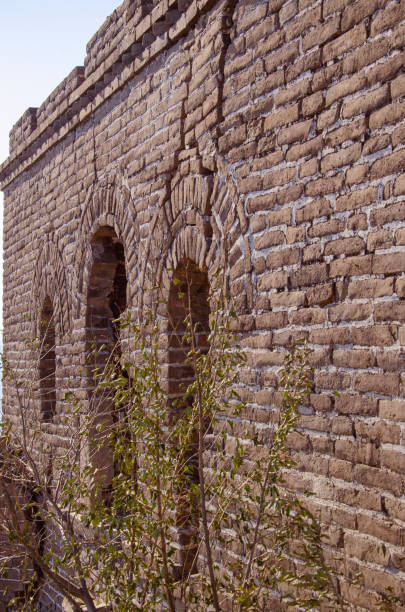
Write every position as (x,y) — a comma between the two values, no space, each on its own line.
(311,147)
(345,246)
(324,186)
(383,384)
(269,239)
(349,312)
(389,263)
(366,55)
(366,102)
(390,311)
(390,16)
(313,210)
(286,55)
(351,266)
(321,33)
(386,115)
(347,41)
(393,410)
(368,288)
(312,104)
(279,177)
(356,199)
(282,117)
(293,92)
(351,131)
(298,131)
(309,275)
(345,157)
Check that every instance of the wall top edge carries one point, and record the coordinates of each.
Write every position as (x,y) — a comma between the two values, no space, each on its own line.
(125,38)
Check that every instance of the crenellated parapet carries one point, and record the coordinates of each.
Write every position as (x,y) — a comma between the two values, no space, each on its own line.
(131,37)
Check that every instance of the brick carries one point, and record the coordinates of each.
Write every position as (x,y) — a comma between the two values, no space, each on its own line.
(288,299)
(378,240)
(309,168)
(345,246)
(313,210)
(381,528)
(390,311)
(357,11)
(366,55)
(321,34)
(392,410)
(351,266)
(349,312)
(357,198)
(399,186)
(391,16)
(375,477)
(383,384)
(334,226)
(310,61)
(369,288)
(357,222)
(366,102)
(324,186)
(386,70)
(344,157)
(279,217)
(279,177)
(321,295)
(347,41)
(309,275)
(376,335)
(282,117)
(268,240)
(376,144)
(355,404)
(272,280)
(286,55)
(303,22)
(312,104)
(353,358)
(391,212)
(293,92)
(298,131)
(327,118)
(332,380)
(389,263)
(350,131)
(387,115)
(283,257)
(271,320)
(357,174)
(311,147)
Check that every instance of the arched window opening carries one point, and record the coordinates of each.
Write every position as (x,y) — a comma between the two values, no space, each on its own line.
(188,300)
(47,362)
(106,302)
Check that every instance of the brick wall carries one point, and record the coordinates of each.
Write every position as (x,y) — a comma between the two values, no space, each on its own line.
(268,138)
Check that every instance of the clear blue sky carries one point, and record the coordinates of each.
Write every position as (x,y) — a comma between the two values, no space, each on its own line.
(41,41)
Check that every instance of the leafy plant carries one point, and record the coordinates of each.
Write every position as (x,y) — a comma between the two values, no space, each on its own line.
(162,500)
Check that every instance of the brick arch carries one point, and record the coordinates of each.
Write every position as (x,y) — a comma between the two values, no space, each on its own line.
(50,281)
(201,219)
(108,204)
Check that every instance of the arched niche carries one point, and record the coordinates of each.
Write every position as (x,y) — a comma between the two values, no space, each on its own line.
(47,361)
(188,308)
(106,303)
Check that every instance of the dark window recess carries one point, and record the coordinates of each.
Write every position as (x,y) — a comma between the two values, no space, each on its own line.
(188,298)
(106,302)
(47,362)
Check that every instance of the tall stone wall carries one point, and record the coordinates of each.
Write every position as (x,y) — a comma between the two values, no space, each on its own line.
(268,138)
